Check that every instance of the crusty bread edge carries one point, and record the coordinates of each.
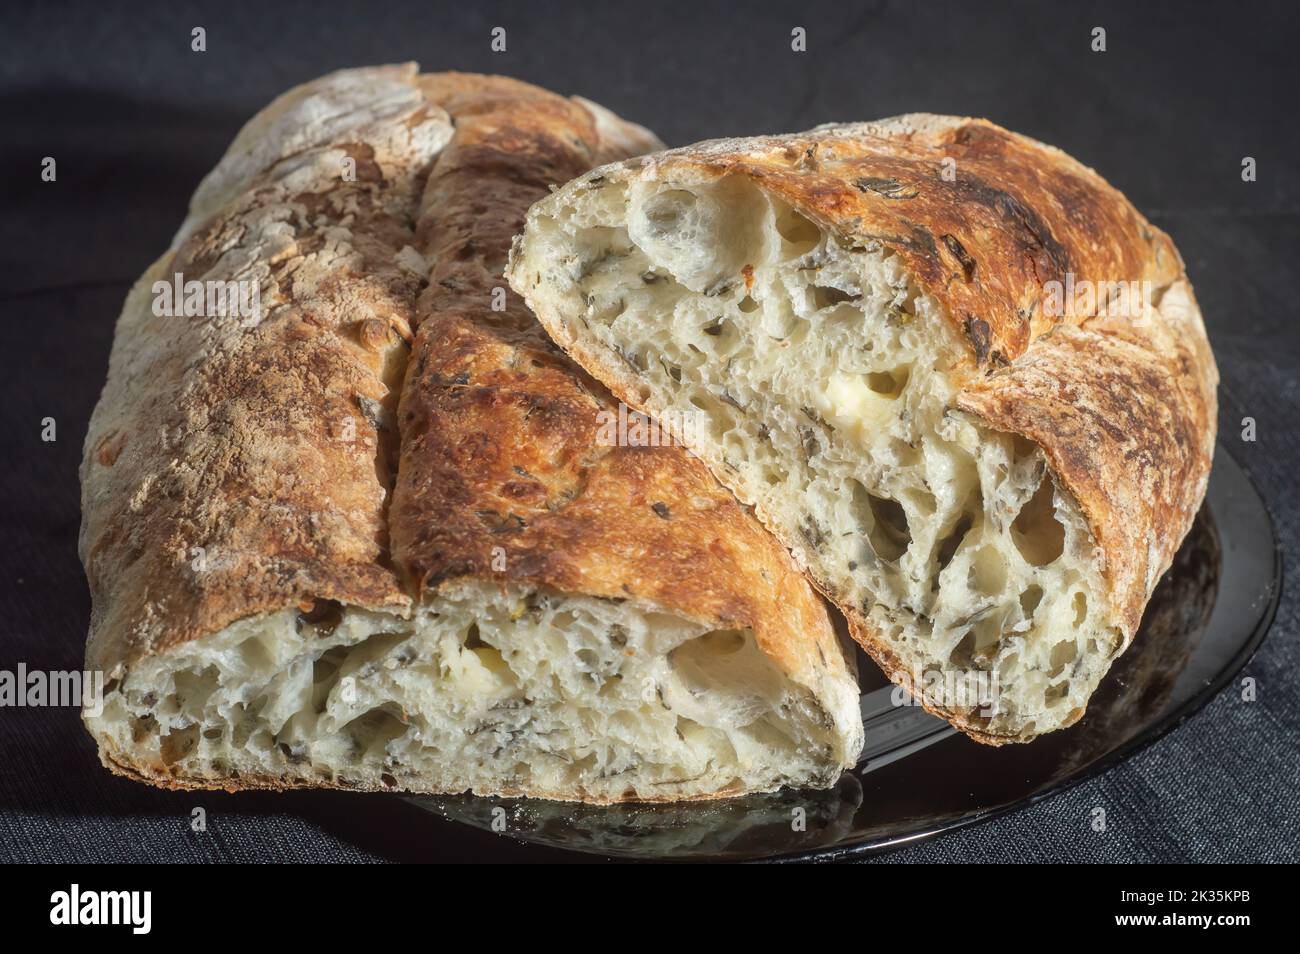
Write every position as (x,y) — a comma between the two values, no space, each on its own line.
(1126,598)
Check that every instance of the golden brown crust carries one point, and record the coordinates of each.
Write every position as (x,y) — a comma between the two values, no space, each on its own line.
(234,464)
(271,444)
(1126,417)
(501,462)
(984,219)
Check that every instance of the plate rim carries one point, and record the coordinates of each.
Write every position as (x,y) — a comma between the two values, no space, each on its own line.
(1139,742)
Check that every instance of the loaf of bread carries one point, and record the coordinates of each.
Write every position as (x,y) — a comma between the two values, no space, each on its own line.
(366,535)
(952,369)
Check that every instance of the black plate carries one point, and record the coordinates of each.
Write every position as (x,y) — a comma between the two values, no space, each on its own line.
(919,777)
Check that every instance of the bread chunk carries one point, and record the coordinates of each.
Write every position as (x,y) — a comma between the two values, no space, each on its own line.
(878,336)
(368,538)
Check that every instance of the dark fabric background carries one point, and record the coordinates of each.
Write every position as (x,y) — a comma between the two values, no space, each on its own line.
(135,118)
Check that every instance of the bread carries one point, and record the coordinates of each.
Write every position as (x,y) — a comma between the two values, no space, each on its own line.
(367,537)
(879,336)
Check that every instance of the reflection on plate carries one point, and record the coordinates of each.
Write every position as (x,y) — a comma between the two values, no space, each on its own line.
(919,777)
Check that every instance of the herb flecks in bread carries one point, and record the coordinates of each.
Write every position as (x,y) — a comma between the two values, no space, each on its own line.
(420,571)
(982,482)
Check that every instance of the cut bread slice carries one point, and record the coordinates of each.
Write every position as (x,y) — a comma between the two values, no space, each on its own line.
(508,691)
(367,536)
(868,352)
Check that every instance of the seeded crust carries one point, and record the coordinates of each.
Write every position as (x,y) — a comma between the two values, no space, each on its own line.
(382,434)
(1123,410)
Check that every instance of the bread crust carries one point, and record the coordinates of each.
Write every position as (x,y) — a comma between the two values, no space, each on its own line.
(230,467)
(500,463)
(211,434)
(123,764)
(1123,407)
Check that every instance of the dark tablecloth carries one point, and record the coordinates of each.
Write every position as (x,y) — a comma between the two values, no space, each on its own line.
(134,117)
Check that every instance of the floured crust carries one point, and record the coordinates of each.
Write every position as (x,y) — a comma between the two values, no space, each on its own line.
(231,463)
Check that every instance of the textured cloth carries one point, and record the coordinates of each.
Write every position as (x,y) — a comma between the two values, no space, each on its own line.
(134,119)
